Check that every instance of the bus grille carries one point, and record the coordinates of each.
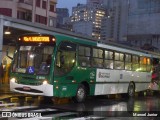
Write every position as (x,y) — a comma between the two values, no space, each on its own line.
(36,84)
(31,90)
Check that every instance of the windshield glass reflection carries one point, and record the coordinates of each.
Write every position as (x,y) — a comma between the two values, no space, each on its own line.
(33,60)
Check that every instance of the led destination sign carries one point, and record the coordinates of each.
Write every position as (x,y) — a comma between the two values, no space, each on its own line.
(36,39)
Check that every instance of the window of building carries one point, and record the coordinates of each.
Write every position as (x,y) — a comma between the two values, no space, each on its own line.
(44,4)
(41,19)
(6,11)
(23,15)
(22,1)
(38,3)
(52,21)
(52,8)
(84,56)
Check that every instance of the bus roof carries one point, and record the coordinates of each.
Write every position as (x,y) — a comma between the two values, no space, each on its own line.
(112,46)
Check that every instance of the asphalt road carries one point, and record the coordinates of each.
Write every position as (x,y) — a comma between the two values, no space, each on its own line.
(20,106)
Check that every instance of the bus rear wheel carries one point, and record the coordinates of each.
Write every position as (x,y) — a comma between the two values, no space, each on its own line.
(131,90)
(80,94)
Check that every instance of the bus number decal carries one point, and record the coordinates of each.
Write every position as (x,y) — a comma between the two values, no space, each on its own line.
(121,76)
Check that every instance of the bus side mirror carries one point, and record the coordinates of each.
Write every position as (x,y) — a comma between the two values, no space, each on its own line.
(8,54)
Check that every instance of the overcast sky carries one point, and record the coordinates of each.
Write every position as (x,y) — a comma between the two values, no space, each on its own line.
(69,4)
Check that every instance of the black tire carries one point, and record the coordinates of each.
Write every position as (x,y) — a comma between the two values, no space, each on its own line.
(80,94)
(131,90)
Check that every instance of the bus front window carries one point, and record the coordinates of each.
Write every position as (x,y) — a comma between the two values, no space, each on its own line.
(33,59)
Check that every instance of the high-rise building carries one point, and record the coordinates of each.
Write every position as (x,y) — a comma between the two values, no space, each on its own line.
(88,16)
(143,24)
(61,14)
(110,23)
(63,18)
(36,11)
(117,20)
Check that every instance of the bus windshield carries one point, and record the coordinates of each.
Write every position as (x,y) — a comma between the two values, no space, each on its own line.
(33,59)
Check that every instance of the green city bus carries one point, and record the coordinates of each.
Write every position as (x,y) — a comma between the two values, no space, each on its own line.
(65,66)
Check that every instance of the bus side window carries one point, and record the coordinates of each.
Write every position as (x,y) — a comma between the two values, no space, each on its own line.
(143,64)
(108,59)
(84,55)
(97,60)
(119,60)
(128,62)
(149,66)
(135,63)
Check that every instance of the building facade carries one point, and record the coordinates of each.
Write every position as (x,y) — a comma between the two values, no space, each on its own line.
(117,20)
(36,11)
(88,15)
(143,24)
(61,14)
(63,19)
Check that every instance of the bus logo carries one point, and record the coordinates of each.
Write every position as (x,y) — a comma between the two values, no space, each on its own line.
(104,75)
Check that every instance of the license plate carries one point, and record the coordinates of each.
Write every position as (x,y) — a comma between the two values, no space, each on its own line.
(26,88)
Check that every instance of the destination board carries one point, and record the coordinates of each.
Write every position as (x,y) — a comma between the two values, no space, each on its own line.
(36,39)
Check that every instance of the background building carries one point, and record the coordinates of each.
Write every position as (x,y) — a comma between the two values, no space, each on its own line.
(62,13)
(144,24)
(109,19)
(134,22)
(36,11)
(88,16)
(117,20)
(63,19)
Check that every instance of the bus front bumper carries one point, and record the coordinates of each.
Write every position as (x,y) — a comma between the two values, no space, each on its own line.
(44,89)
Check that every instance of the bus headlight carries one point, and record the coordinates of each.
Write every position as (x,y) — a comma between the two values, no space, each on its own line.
(45,82)
(13,80)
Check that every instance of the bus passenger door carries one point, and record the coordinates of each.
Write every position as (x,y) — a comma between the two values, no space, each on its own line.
(64,68)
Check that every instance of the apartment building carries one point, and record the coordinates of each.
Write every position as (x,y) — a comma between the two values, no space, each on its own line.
(36,11)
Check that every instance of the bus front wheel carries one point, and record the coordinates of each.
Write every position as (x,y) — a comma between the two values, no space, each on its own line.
(80,94)
(131,90)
